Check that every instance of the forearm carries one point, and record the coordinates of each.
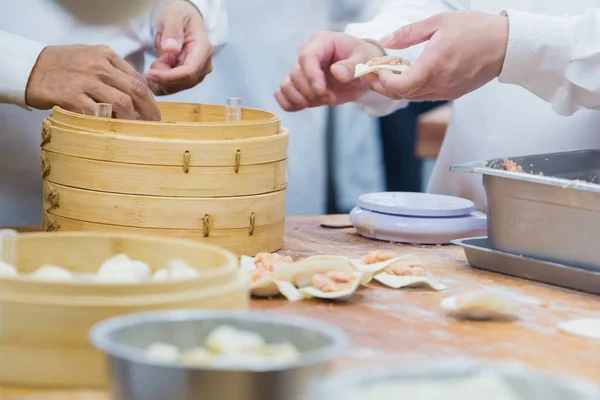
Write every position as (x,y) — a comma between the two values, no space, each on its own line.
(19,56)
(555,58)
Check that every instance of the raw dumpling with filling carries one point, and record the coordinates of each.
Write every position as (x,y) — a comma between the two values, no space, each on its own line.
(479,307)
(51,273)
(325,277)
(263,281)
(395,64)
(397,271)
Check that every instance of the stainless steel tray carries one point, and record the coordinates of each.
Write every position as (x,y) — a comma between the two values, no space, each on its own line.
(480,254)
(552,212)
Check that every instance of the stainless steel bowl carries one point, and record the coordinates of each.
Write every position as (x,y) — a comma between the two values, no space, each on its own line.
(124,340)
(443,379)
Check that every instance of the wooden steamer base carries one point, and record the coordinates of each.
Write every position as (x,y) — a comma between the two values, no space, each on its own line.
(45,325)
(191,175)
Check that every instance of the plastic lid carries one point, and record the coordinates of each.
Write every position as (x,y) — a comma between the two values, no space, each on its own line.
(416,204)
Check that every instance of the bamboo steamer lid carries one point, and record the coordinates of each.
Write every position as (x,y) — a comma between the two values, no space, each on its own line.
(45,325)
(180,121)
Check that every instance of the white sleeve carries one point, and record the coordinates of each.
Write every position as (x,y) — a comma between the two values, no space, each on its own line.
(19,56)
(215,18)
(214,14)
(555,58)
(393,15)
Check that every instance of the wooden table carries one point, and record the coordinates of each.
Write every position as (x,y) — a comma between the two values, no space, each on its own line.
(401,326)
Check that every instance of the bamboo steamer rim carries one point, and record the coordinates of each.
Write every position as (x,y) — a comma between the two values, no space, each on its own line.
(19,282)
(254,123)
(269,117)
(52,124)
(133,300)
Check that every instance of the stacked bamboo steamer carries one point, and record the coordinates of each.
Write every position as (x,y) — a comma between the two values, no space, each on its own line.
(192,175)
(45,324)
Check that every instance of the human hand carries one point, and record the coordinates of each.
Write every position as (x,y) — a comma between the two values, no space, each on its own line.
(184,52)
(466,50)
(324,73)
(78,77)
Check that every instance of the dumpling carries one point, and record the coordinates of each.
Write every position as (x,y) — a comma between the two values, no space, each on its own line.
(163,353)
(7,269)
(176,269)
(51,273)
(398,272)
(394,64)
(197,357)
(584,327)
(264,282)
(333,285)
(479,307)
(301,273)
(226,339)
(122,269)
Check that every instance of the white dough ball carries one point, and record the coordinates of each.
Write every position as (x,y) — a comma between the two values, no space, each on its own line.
(197,357)
(7,269)
(162,352)
(161,275)
(51,273)
(121,265)
(176,269)
(226,339)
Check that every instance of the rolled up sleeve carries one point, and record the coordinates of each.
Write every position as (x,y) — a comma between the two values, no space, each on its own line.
(555,58)
(215,18)
(19,56)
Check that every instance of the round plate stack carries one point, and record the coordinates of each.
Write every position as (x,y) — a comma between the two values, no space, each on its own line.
(192,175)
(45,324)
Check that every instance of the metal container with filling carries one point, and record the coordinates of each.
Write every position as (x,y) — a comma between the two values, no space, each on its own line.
(551,212)
(134,377)
(462,379)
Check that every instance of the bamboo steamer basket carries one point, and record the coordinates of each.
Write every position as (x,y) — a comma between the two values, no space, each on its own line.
(191,175)
(45,325)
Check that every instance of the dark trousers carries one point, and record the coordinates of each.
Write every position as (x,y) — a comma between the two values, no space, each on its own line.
(403,169)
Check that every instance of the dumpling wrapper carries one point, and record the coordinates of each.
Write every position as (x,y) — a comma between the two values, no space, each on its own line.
(121,265)
(364,69)
(52,273)
(397,282)
(310,291)
(479,307)
(584,327)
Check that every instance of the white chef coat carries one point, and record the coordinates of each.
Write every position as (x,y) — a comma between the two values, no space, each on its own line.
(26,26)
(263,43)
(552,59)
